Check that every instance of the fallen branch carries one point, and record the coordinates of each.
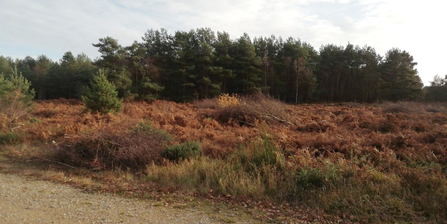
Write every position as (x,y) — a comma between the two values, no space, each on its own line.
(278,119)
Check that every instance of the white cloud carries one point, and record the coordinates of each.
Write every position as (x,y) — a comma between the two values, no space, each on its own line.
(414,26)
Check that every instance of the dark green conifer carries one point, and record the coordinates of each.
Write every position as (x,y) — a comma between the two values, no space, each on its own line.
(101,96)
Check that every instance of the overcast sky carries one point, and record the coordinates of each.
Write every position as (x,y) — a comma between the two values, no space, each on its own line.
(53,27)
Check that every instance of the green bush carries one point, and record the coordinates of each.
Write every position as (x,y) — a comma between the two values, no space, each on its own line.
(183,151)
(265,154)
(260,154)
(10,138)
(309,178)
(101,96)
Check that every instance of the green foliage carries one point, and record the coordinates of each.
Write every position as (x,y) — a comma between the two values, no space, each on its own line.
(261,154)
(354,188)
(247,66)
(201,64)
(183,151)
(113,60)
(101,96)
(309,178)
(10,138)
(144,128)
(15,95)
(399,79)
(67,78)
(437,91)
(5,65)
(149,90)
(348,73)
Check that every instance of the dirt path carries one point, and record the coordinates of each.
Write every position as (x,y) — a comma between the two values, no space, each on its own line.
(24,200)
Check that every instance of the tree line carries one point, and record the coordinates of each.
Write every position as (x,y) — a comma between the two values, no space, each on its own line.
(201,63)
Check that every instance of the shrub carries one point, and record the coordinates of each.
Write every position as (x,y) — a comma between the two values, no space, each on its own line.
(260,154)
(10,138)
(110,149)
(15,96)
(101,96)
(183,151)
(309,178)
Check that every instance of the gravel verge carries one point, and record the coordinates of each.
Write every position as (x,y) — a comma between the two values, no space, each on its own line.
(24,200)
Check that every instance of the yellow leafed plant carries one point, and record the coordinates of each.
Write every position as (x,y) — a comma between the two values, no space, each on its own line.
(225,100)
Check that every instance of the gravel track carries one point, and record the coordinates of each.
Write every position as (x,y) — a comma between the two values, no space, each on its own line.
(24,200)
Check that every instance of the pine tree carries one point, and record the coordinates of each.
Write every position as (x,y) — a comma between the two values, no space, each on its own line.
(101,96)
(400,80)
(113,60)
(15,95)
(437,91)
(247,66)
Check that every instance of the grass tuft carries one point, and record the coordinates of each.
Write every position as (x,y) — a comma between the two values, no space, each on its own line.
(10,138)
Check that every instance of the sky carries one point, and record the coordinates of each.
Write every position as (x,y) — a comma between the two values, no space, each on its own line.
(53,27)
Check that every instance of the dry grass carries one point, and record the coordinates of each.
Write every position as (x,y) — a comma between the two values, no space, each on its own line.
(370,163)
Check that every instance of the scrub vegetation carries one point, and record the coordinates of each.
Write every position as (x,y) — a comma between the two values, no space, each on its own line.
(361,163)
